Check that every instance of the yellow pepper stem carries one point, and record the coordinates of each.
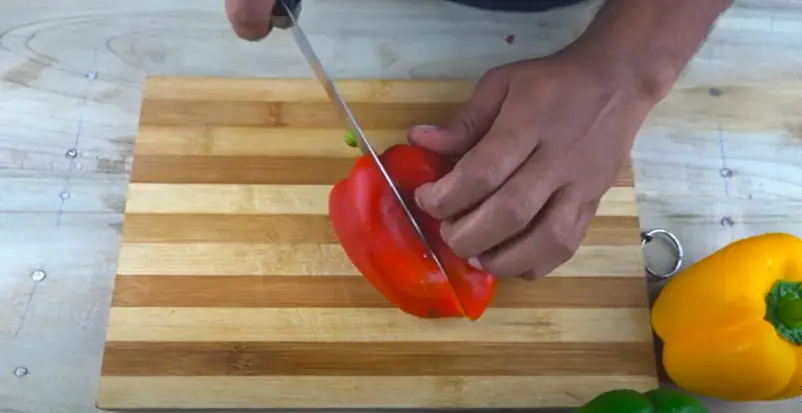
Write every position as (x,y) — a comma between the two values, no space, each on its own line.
(784,310)
(789,311)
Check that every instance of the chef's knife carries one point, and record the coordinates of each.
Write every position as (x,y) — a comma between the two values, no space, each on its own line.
(285,15)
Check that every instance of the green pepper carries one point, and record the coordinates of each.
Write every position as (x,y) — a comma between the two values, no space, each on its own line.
(652,401)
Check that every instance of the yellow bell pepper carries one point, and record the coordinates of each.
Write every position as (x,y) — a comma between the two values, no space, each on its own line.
(731,323)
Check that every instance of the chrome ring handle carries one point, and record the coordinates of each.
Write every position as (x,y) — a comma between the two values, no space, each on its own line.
(676,246)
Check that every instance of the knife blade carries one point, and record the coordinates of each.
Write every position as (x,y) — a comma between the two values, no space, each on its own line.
(348,118)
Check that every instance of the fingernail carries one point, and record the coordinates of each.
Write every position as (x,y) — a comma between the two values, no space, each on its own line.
(443,231)
(424,190)
(252,32)
(474,262)
(424,128)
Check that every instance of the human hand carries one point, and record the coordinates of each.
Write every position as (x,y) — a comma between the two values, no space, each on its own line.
(540,143)
(250,19)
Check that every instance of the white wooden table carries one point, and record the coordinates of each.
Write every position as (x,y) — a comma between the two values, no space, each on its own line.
(709,167)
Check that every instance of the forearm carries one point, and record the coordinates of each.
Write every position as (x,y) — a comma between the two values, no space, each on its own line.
(654,39)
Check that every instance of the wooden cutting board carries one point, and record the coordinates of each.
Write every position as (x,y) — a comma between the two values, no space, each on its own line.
(232,291)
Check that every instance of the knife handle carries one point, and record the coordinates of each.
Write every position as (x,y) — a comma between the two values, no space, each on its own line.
(280,18)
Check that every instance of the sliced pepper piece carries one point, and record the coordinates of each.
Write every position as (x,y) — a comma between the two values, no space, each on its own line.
(731,323)
(374,232)
(652,401)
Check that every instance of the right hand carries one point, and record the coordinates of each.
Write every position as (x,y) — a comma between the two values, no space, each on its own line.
(250,19)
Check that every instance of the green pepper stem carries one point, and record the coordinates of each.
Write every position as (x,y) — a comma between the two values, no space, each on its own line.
(784,310)
(789,311)
(350,139)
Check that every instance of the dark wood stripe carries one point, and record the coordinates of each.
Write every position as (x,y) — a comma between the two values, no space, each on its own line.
(203,228)
(303,229)
(354,291)
(239,169)
(208,169)
(292,114)
(613,231)
(376,358)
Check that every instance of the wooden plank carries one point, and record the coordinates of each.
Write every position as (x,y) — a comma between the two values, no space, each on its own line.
(246,169)
(346,291)
(290,114)
(504,325)
(298,229)
(321,259)
(254,141)
(282,199)
(357,392)
(200,88)
(378,358)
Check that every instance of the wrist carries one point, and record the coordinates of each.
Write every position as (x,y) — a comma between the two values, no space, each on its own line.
(647,43)
(649,75)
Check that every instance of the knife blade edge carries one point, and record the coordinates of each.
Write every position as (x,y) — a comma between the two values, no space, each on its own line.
(351,124)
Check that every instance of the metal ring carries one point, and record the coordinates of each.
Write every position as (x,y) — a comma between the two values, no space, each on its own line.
(649,235)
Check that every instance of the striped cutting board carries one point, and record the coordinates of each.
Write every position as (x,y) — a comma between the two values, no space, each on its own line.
(232,292)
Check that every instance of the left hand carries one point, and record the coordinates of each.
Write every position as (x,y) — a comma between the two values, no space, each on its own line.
(540,142)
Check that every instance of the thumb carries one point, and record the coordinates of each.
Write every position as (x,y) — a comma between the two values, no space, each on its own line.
(472,122)
(250,19)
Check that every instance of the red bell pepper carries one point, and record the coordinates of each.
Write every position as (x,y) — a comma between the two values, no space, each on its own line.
(375,234)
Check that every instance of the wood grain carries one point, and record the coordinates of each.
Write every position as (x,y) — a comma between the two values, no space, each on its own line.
(375,324)
(229,269)
(255,392)
(298,229)
(242,258)
(348,291)
(256,169)
(377,358)
(282,199)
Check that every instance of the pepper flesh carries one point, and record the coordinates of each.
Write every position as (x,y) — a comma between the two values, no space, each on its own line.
(730,323)
(378,239)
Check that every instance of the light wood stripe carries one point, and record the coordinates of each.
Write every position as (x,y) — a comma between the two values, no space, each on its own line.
(203,228)
(173,112)
(305,90)
(374,324)
(246,169)
(376,359)
(228,141)
(313,259)
(283,199)
(302,229)
(228,199)
(349,291)
(359,392)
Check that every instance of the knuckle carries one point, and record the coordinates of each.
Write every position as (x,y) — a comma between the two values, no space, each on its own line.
(516,210)
(457,244)
(564,240)
(476,175)
(465,122)
(501,268)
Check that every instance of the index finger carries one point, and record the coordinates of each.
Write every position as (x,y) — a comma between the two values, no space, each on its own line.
(250,19)
(482,169)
